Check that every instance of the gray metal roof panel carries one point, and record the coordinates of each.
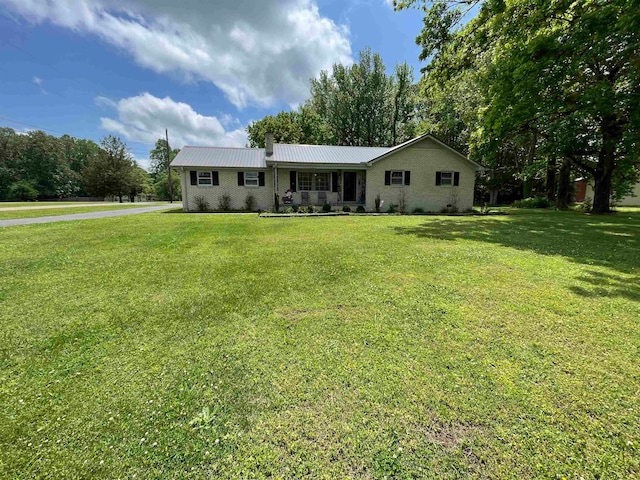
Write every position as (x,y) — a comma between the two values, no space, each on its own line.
(326,154)
(220,157)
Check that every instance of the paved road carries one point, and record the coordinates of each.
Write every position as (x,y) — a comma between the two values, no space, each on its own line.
(87,216)
(64,205)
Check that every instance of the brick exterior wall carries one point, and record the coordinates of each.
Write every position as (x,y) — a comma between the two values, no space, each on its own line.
(423,160)
(228,185)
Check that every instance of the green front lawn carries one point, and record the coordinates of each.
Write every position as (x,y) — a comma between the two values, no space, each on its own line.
(184,345)
(51,212)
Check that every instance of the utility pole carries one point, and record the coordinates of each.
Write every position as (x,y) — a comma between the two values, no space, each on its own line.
(166,132)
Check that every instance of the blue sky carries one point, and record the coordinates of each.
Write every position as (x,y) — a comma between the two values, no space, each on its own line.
(204,70)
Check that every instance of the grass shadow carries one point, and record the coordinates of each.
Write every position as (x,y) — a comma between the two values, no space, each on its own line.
(611,241)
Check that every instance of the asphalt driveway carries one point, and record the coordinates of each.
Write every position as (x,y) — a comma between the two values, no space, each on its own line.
(87,216)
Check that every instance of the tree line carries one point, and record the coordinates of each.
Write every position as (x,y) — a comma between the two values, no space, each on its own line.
(36,165)
(541,93)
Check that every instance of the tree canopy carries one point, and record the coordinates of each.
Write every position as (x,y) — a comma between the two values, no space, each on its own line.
(358,105)
(548,84)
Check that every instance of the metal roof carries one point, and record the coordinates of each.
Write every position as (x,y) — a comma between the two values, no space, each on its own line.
(220,157)
(326,154)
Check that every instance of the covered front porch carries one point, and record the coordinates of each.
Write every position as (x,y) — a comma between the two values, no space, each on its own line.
(318,186)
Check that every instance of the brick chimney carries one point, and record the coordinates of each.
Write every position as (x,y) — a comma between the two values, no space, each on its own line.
(268,143)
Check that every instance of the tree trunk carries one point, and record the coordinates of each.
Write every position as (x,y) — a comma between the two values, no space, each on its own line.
(551,179)
(493,196)
(564,185)
(602,193)
(611,136)
(120,198)
(526,188)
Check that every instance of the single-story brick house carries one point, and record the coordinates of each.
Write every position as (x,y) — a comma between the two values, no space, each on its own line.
(423,172)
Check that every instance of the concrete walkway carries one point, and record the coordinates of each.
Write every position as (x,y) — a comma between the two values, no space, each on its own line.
(87,216)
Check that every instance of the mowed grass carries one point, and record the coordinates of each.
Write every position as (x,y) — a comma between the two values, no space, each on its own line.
(51,212)
(229,346)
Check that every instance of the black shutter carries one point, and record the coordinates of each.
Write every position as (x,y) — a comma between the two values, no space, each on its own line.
(261,179)
(241,179)
(215,178)
(194,177)
(387,177)
(334,181)
(438,178)
(292,180)
(456,179)
(407,177)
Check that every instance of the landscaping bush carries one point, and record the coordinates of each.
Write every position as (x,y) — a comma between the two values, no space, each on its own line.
(201,204)
(326,208)
(250,203)
(346,208)
(224,203)
(295,208)
(585,206)
(360,209)
(23,190)
(418,210)
(449,209)
(311,209)
(392,208)
(532,202)
(377,203)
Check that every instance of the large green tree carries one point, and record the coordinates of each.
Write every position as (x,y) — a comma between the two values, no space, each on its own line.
(561,85)
(113,171)
(357,104)
(159,161)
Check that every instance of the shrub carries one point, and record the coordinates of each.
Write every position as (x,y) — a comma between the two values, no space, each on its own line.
(326,208)
(311,209)
(346,208)
(289,210)
(532,202)
(586,205)
(276,203)
(449,209)
(224,203)
(418,210)
(23,190)
(250,203)
(360,209)
(201,204)
(295,208)
(392,208)
(377,203)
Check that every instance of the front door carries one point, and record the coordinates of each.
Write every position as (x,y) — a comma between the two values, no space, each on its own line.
(349,186)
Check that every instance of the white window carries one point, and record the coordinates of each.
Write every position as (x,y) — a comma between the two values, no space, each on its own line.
(317,182)
(322,182)
(305,181)
(397,178)
(250,179)
(446,178)
(204,178)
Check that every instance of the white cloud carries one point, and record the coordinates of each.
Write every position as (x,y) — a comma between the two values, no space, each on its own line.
(143,119)
(256,52)
(38,81)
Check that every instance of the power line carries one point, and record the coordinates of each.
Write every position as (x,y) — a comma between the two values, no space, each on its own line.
(30,125)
